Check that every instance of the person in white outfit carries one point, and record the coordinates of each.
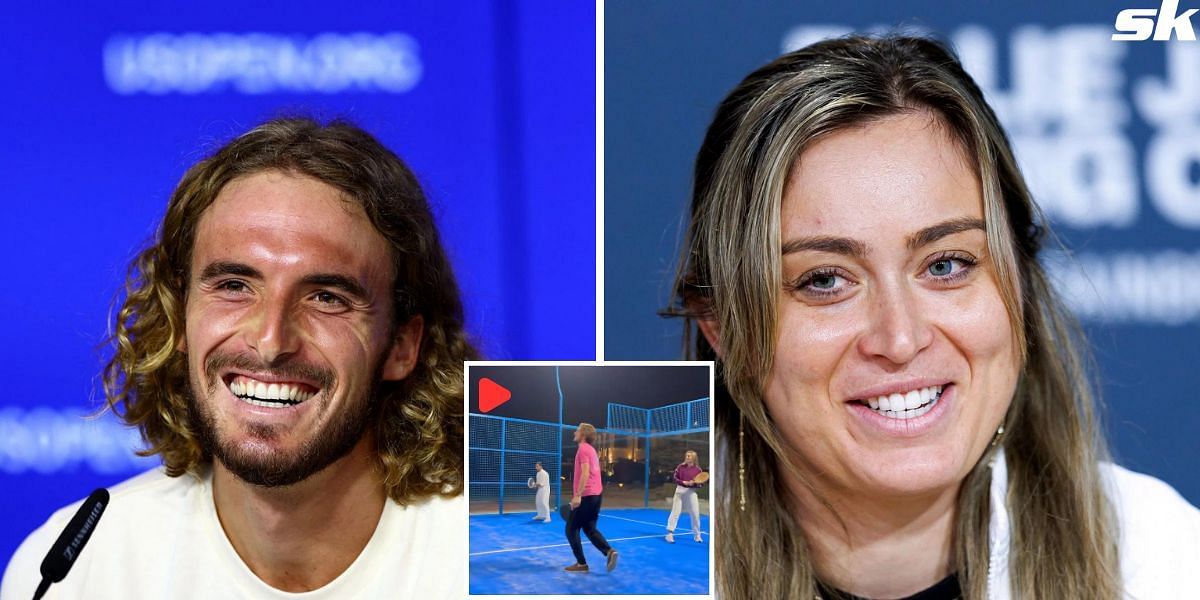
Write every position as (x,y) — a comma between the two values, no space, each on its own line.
(685,495)
(542,499)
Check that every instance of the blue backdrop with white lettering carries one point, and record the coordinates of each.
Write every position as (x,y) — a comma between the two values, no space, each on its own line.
(491,104)
(1107,132)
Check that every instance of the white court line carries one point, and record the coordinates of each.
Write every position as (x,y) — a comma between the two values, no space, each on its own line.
(640,537)
(663,525)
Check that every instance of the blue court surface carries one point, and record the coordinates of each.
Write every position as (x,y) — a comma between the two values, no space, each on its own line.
(512,554)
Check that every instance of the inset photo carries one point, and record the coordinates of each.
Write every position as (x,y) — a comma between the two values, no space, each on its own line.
(589,478)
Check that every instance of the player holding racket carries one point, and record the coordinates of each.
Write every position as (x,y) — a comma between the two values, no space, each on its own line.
(542,499)
(688,476)
(585,501)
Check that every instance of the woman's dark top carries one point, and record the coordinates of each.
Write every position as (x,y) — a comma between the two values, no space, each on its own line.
(946,589)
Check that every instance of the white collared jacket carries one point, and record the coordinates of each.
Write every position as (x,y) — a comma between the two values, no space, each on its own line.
(1159,536)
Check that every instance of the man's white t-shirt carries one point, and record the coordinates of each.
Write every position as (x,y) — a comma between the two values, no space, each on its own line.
(160,538)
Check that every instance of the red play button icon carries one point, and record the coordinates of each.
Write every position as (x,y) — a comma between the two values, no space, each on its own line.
(491,395)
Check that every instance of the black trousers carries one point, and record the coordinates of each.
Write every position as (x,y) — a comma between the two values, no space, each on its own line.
(584,518)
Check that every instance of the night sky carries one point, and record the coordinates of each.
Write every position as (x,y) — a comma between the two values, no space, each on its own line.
(587,390)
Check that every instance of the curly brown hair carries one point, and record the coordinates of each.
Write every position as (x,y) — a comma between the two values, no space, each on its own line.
(418,422)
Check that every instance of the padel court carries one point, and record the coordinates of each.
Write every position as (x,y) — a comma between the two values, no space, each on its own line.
(639,448)
(513,554)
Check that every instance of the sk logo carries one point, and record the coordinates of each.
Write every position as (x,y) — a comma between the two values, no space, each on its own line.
(1138,23)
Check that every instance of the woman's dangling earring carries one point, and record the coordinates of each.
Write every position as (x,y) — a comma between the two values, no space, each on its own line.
(742,461)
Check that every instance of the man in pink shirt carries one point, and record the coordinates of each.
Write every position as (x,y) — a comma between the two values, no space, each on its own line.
(585,501)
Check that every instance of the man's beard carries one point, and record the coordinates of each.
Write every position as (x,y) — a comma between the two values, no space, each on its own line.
(340,435)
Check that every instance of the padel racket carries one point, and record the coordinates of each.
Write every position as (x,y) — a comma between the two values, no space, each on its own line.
(701,478)
(564,511)
(532,483)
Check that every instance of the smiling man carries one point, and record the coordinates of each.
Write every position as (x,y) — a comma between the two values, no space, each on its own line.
(292,346)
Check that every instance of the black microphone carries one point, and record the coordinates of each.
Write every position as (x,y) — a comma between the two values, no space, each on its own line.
(70,542)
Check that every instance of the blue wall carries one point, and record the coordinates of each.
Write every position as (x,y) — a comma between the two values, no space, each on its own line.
(1108,134)
(491,104)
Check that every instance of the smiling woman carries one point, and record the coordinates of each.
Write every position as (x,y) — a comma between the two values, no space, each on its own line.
(889,314)
(905,405)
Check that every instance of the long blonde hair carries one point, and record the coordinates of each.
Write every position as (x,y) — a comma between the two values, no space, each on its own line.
(418,424)
(693,453)
(1063,530)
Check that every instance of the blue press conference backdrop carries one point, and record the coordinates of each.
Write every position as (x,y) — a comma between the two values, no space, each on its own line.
(1107,132)
(103,108)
